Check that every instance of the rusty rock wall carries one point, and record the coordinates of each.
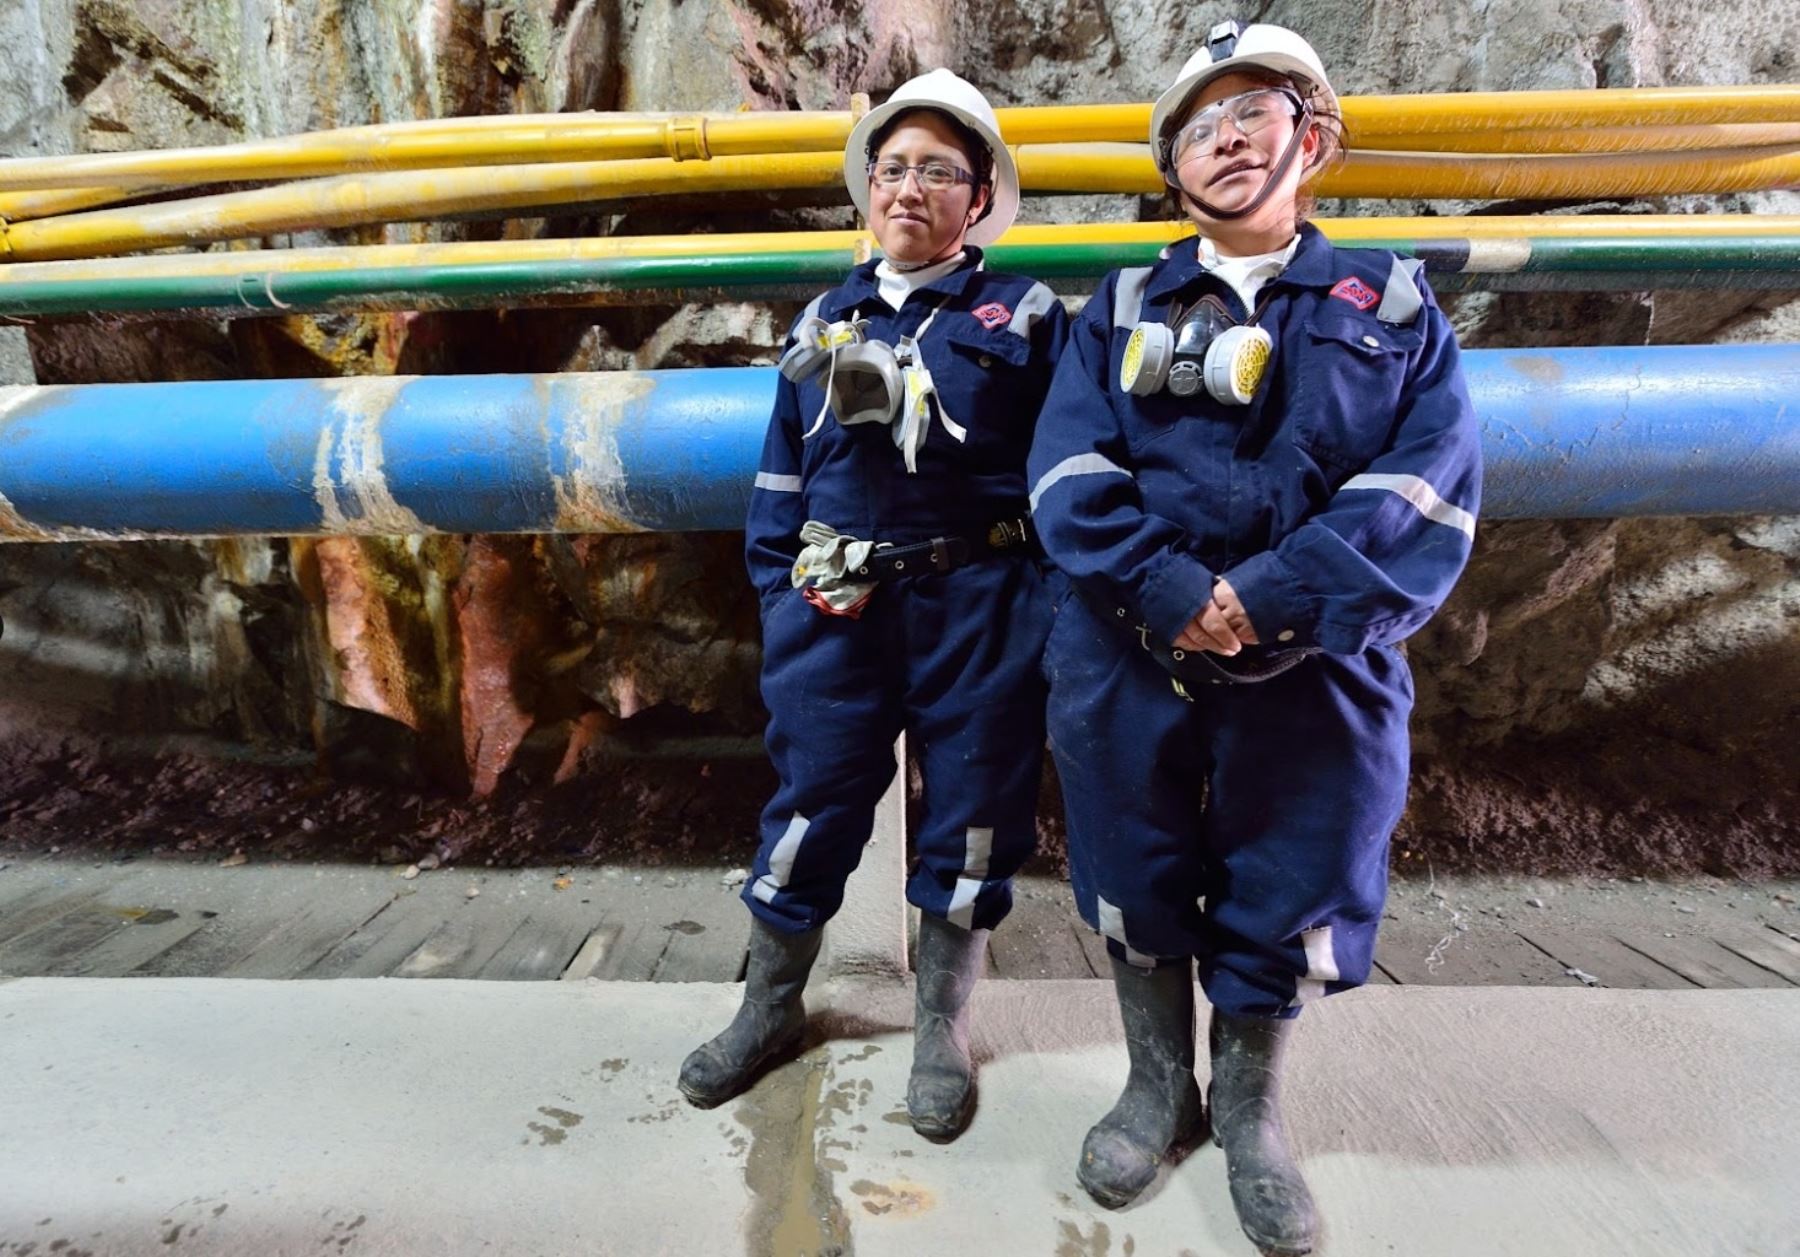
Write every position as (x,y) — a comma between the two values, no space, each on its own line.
(1624,687)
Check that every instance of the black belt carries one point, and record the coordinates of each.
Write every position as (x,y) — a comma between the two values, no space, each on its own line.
(945,554)
(1202,667)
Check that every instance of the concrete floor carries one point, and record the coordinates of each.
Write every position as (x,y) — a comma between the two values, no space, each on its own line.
(218,1116)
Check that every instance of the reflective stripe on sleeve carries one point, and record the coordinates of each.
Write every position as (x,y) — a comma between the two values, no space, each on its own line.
(1423,497)
(1077,465)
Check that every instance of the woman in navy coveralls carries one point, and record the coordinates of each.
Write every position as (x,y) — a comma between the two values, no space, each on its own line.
(1257,471)
(887,541)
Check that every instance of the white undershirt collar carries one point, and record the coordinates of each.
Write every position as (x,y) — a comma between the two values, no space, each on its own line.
(895,285)
(1247,275)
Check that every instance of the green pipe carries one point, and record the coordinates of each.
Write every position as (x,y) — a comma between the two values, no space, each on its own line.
(1556,264)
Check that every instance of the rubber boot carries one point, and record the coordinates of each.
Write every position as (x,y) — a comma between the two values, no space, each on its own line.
(1160,1110)
(769,1024)
(1273,1204)
(940,1095)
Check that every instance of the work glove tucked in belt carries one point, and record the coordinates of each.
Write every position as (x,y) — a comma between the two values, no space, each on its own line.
(823,570)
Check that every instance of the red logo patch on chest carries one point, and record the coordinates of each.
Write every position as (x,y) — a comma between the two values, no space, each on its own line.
(992,315)
(1356,293)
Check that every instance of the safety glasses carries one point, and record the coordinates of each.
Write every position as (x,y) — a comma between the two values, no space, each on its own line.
(1250,112)
(934,176)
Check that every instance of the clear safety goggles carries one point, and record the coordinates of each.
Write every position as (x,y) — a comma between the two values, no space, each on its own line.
(1251,112)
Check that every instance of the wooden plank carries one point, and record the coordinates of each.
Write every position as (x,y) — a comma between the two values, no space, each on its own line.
(1093,946)
(20,883)
(378,947)
(707,939)
(1429,952)
(591,952)
(461,946)
(202,953)
(300,938)
(248,906)
(43,905)
(382,942)
(1767,949)
(160,905)
(143,939)
(1606,958)
(543,945)
(625,950)
(68,934)
(1701,961)
(643,936)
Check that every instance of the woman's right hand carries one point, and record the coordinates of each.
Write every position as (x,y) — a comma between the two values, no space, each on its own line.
(1209,631)
(1223,628)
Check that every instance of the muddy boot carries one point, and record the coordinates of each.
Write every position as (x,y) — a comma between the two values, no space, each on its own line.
(769,1023)
(940,1095)
(1160,1109)
(1273,1205)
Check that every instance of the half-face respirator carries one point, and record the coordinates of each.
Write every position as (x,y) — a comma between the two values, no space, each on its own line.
(869,381)
(1207,349)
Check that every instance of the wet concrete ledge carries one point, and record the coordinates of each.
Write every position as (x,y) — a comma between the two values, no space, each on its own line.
(210,1116)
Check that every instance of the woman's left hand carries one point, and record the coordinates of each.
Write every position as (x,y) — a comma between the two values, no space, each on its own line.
(1236,618)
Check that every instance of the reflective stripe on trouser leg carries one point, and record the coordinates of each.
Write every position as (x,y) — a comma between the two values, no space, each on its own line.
(975,868)
(1321,964)
(975,720)
(832,723)
(1112,924)
(1310,780)
(781,860)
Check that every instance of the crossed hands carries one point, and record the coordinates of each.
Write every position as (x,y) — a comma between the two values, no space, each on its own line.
(1223,627)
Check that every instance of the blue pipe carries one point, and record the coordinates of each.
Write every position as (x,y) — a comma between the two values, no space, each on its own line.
(1700,430)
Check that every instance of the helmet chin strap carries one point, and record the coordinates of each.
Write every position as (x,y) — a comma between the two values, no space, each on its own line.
(1276,175)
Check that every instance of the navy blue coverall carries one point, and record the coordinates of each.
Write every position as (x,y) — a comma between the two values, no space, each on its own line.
(954,659)
(1247,824)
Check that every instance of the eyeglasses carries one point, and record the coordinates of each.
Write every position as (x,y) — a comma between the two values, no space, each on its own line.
(934,176)
(1251,112)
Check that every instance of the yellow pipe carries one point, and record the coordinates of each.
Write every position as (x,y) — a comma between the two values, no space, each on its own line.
(276,262)
(1589,139)
(1045,127)
(1069,124)
(1461,176)
(1452,113)
(16,207)
(1600,175)
(1109,168)
(511,140)
(356,199)
(1428,170)
(439,144)
(1560,226)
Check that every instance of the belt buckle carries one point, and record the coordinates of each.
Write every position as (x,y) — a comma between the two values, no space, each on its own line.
(940,554)
(1006,534)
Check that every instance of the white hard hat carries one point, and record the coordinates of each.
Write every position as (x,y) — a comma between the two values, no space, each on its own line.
(945,92)
(1231,49)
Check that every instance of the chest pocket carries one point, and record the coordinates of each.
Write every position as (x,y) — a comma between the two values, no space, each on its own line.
(982,378)
(1346,386)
